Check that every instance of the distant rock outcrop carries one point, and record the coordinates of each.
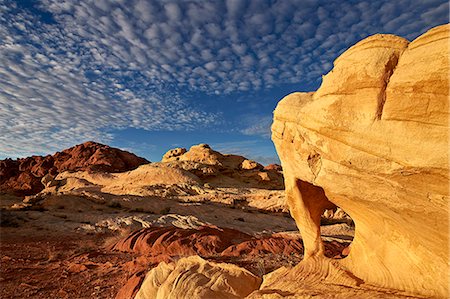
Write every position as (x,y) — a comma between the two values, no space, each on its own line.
(374,141)
(276,167)
(224,170)
(23,176)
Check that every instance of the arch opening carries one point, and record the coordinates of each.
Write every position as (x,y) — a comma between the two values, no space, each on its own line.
(326,228)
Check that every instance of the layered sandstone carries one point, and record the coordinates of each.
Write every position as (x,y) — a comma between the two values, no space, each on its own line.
(224,170)
(194,277)
(173,241)
(23,176)
(373,140)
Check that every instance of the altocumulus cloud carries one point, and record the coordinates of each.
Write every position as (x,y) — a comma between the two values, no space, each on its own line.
(75,70)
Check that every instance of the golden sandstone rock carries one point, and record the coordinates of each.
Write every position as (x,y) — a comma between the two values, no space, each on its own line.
(373,139)
(193,277)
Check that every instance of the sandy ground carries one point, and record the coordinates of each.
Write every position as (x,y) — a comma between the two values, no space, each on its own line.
(59,249)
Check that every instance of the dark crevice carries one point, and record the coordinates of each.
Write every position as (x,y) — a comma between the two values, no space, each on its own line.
(389,70)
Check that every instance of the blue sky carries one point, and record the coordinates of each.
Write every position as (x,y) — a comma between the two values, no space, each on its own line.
(148,76)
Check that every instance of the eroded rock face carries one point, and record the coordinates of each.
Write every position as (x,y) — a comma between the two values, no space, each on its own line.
(183,173)
(250,164)
(173,241)
(194,277)
(169,243)
(224,170)
(210,241)
(141,181)
(23,176)
(173,154)
(373,140)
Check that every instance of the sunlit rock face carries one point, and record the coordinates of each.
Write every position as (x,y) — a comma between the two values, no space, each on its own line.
(193,277)
(373,139)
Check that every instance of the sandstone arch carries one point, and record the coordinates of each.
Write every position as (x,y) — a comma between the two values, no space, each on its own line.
(374,136)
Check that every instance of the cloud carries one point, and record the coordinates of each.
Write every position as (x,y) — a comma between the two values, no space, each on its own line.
(71,71)
(258,125)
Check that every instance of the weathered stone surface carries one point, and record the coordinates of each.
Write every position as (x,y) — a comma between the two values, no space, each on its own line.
(374,141)
(185,239)
(173,241)
(142,181)
(250,164)
(273,167)
(194,278)
(173,154)
(224,170)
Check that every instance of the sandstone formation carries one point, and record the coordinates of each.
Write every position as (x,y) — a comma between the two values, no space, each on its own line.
(169,243)
(265,245)
(209,241)
(199,171)
(130,289)
(23,176)
(223,170)
(194,278)
(273,167)
(148,179)
(373,140)
(173,241)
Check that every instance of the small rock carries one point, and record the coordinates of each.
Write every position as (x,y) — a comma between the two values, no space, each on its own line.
(77,268)
(250,164)
(173,153)
(20,206)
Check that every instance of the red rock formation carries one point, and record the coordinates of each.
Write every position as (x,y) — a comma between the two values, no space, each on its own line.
(166,242)
(278,245)
(159,245)
(276,167)
(174,241)
(23,176)
(130,289)
(254,247)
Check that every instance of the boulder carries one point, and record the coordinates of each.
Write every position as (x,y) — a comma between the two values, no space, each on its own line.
(173,154)
(250,164)
(48,180)
(195,278)
(373,140)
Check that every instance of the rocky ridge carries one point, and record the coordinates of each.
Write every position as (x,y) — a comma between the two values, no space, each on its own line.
(23,176)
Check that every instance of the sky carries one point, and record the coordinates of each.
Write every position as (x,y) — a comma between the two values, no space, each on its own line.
(147,76)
